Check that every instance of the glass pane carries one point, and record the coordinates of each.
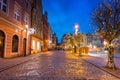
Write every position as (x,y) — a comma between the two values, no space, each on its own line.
(5,1)
(0,5)
(18,18)
(4,8)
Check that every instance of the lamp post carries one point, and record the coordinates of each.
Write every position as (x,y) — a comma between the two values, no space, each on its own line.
(76,26)
(26,38)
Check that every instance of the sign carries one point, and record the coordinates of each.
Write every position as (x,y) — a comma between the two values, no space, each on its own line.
(31,30)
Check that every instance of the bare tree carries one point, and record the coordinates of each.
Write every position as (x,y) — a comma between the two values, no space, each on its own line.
(106,21)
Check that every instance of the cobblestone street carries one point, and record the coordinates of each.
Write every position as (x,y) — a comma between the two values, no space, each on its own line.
(55,65)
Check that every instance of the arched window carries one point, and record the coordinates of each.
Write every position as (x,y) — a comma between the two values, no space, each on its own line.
(15,42)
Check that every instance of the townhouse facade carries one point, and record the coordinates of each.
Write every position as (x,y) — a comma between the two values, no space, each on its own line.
(14,22)
(37,25)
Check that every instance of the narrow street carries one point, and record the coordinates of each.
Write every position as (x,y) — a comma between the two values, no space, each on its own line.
(55,65)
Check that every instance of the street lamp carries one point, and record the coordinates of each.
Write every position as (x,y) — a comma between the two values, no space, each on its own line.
(76,26)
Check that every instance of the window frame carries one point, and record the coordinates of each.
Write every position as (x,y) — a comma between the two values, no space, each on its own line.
(17,11)
(27,4)
(26,19)
(2,5)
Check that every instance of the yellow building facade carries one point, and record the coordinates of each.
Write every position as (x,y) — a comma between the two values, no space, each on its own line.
(37,24)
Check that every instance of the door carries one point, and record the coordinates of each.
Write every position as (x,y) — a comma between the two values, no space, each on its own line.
(2,42)
(24,47)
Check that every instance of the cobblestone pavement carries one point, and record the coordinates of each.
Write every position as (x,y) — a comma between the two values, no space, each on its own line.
(55,66)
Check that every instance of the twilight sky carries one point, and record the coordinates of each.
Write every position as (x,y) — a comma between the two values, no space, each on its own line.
(63,14)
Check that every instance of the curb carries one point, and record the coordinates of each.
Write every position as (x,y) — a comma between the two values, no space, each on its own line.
(102,69)
(19,63)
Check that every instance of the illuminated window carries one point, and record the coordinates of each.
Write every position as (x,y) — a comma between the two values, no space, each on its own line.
(33,44)
(17,12)
(3,5)
(38,45)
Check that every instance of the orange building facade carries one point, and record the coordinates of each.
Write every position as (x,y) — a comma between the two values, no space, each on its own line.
(14,23)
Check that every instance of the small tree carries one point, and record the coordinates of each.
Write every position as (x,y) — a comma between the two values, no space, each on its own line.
(106,21)
(78,40)
(70,42)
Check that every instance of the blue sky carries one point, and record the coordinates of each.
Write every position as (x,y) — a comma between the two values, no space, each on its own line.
(63,14)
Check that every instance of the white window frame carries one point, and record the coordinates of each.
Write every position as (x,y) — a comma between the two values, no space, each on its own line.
(3,4)
(17,12)
(26,19)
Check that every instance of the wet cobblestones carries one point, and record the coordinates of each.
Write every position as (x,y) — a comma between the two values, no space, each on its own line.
(55,66)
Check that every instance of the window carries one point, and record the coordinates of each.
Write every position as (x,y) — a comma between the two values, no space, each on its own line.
(0,5)
(3,5)
(17,12)
(15,42)
(39,32)
(35,29)
(39,23)
(35,17)
(26,19)
(38,45)
(26,4)
(5,1)
(33,44)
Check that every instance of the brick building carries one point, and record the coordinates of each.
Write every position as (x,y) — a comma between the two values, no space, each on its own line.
(14,20)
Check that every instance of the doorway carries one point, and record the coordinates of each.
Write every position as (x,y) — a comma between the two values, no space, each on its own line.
(2,42)
(24,46)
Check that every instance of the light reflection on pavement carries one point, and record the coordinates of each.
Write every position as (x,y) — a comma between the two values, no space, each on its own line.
(55,65)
